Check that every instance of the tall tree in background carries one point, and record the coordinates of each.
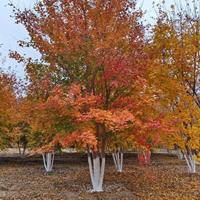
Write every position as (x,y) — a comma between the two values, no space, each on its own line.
(175,49)
(8,101)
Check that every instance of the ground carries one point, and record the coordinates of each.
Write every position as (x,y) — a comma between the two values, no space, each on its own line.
(165,178)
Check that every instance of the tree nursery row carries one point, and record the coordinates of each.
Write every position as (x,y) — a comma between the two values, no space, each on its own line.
(105,82)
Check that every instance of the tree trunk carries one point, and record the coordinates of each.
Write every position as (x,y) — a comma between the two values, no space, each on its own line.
(118,160)
(48,160)
(144,157)
(22,150)
(190,160)
(96,168)
(180,154)
(19,149)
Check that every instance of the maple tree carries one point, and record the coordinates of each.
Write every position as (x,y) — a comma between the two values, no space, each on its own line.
(43,114)
(20,136)
(151,122)
(95,49)
(14,128)
(175,51)
(8,101)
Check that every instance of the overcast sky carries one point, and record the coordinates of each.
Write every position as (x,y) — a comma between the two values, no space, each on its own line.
(10,32)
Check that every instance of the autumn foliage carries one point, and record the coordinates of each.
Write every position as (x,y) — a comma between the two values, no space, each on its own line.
(7,107)
(101,85)
(94,61)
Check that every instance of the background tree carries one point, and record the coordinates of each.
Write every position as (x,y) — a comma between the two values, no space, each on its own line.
(175,50)
(8,102)
(20,136)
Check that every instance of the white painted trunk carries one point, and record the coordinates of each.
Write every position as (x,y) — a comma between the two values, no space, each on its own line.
(190,160)
(145,157)
(180,154)
(118,160)
(97,168)
(48,160)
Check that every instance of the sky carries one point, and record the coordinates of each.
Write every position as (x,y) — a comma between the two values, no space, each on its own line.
(10,32)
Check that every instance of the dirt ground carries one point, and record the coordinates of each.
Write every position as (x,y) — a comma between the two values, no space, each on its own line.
(166,178)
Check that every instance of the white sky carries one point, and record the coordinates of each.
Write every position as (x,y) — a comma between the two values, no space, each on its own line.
(10,32)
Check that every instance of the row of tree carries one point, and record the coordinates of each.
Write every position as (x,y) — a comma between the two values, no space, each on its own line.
(102,86)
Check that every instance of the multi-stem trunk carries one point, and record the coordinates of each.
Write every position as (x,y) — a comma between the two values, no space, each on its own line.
(97,167)
(118,160)
(144,157)
(22,150)
(190,160)
(48,160)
